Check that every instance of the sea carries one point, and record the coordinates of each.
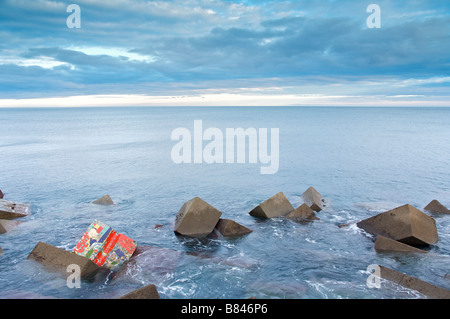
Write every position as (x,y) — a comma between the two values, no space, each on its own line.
(363,160)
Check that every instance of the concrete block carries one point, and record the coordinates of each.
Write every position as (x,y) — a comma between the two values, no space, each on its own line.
(105,200)
(196,218)
(146,292)
(384,244)
(429,290)
(230,228)
(302,213)
(405,224)
(314,199)
(58,259)
(435,207)
(12,210)
(276,206)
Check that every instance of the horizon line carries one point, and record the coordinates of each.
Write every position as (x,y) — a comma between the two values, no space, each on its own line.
(225,100)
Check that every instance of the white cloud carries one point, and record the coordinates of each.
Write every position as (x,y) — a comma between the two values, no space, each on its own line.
(40,61)
(114,52)
(432,80)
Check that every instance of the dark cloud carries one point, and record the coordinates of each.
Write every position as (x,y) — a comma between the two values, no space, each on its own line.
(197,41)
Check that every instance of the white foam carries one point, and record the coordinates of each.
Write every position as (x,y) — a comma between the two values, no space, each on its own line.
(377,206)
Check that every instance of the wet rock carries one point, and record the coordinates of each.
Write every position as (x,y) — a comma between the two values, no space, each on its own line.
(230,228)
(146,292)
(1,194)
(12,210)
(405,224)
(435,207)
(105,200)
(7,225)
(59,259)
(1,250)
(158,226)
(196,218)
(314,199)
(429,290)
(276,206)
(302,213)
(384,244)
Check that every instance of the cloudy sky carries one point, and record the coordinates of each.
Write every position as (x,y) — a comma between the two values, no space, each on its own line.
(224,52)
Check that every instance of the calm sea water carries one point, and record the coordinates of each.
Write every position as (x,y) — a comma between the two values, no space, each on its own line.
(363,160)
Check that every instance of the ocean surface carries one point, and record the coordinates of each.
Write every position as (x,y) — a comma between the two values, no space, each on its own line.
(364,161)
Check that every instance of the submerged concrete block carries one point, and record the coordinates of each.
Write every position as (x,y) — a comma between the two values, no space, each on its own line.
(313,199)
(59,259)
(149,261)
(384,244)
(105,200)
(276,206)
(12,210)
(302,213)
(230,228)
(429,290)
(196,218)
(146,292)
(7,225)
(405,224)
(435,207)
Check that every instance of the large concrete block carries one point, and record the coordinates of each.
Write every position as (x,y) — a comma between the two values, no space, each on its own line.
(302,213)
(230,228)
(313,199)
(59,259)
(146,292)
(276,206)
(384,244)
(196,218)
(12,210)
(435,207)
(429,290)
(405,224)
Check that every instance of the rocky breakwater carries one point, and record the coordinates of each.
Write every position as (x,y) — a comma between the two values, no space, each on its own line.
(404,229)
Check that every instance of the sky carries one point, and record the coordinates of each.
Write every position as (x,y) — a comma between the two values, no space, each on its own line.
(224,52)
